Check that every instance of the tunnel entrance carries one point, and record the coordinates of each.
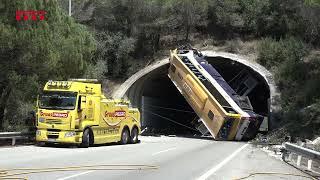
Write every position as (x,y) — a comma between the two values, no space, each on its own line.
(165,111)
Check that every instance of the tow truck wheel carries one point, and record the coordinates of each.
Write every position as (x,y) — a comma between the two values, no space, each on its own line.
(85,139)
(41,144)
(134,136)
(125,136)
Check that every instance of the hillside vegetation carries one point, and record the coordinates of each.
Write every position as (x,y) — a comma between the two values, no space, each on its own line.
(113,39)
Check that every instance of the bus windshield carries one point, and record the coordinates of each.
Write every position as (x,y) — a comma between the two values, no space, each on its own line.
(58,100)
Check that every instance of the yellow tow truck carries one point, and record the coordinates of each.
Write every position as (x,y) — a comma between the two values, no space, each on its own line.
(76,112)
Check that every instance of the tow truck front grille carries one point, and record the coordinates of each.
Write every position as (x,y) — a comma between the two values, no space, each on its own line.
(54,130)
(54,121)
(53,136)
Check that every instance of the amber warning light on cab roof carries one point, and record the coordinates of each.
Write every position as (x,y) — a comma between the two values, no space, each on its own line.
(63,84)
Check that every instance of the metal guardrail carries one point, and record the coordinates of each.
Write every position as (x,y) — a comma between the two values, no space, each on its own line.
(16,135)
(314,155)
(302,154)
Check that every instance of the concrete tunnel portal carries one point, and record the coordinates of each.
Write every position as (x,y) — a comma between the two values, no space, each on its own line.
(165,111)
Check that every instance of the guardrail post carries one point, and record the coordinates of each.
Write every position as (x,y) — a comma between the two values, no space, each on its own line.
(299,160)
(13,136)
(13,141)
(309,164)
(290,157)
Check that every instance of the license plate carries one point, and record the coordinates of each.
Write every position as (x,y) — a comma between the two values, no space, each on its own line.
(52,140)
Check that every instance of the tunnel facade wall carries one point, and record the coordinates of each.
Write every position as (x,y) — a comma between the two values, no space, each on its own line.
(132,88)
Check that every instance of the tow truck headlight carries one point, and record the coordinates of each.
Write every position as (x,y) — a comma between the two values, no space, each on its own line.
(38,133)
(41,119)
(70,134)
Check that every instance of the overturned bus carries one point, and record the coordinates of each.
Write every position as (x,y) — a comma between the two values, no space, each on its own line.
(222,112)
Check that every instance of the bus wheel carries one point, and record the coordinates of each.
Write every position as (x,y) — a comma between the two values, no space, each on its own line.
(85,139)
(134,136)
(124,136)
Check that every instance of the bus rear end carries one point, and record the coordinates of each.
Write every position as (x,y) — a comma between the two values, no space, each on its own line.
(251,130)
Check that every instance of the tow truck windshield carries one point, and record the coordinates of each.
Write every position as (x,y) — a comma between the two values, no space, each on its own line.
(58,100)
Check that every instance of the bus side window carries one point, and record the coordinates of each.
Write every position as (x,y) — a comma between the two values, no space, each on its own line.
(210,115)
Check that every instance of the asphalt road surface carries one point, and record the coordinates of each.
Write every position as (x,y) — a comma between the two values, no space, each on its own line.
(174,158)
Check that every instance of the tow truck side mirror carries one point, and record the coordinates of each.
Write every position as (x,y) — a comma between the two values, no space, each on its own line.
(79,104)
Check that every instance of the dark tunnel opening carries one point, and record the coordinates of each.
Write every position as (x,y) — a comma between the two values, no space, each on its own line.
(164,109)
(260,93)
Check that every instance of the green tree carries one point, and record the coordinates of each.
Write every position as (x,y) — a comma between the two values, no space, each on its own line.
(281,18)
(191,14)
(33,52)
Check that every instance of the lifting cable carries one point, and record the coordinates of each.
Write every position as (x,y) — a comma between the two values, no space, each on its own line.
(215,116)
(171,109)
(171,120)
(236,76)
(183,110)
(9,173)
(274,173)
(176,105)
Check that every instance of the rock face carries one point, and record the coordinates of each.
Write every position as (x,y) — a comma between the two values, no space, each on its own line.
(316,141)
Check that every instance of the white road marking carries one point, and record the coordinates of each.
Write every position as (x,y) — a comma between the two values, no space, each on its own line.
(221,164)
(75,175)
(8,149)
(163,151)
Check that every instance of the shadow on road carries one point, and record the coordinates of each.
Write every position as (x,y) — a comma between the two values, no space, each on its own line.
(57,145)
